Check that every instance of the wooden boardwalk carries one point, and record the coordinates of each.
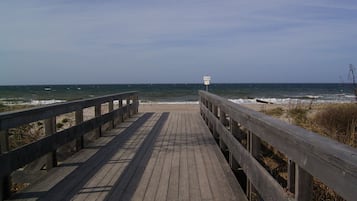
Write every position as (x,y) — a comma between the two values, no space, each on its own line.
(152,156)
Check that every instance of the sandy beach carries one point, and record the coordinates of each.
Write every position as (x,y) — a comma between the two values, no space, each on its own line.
(159,107)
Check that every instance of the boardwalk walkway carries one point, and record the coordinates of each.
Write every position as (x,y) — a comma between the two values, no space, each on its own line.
(153,156)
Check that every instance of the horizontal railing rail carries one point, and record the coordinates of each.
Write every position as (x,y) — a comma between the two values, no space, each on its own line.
(11,160)
(309,154)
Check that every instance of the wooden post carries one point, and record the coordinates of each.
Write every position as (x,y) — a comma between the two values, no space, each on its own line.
(215,111)
(303,185)
(136,101)
(122,113)
(79,120)
(98,113)
(236,131)
(50,128)
(128,106)
(110,109)
(253,146)
(232,162)
(4,141)
(222,119)
(5,182)
(291,176)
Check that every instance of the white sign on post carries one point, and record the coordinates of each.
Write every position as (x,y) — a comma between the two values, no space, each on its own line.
(206,81)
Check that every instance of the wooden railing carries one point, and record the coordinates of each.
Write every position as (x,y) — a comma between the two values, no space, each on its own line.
(309,155)
(11,160)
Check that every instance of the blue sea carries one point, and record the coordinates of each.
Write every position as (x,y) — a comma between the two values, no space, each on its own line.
(174,93)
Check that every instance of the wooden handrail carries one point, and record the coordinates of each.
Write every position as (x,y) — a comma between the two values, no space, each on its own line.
(333,163)
(10,160)
(17,118)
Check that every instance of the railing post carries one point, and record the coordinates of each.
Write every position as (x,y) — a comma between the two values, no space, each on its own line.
(110,109)
(253,146)
(98,113)
(128,106)
(136,103)
(121,109)
(236,131)
(291,176)
(214,129)
(5,182)
(50,128)
(232,162)
(79,120)
(303,184)
(215,111)
(222,119)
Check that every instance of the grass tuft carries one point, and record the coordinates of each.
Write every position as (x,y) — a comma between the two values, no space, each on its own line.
(339,121)
(275,112)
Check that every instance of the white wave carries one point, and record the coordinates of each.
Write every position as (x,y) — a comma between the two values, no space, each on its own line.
(44,102)
(285,101)
(169,103)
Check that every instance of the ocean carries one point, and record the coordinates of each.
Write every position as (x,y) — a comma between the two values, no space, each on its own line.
(180,93)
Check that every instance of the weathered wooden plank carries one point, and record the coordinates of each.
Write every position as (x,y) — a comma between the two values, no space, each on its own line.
(195,191)
(152,187)
(310,151)
(233,190)
(162,190)
(70,185)
(148,169)
(56,175)
(262,180)
(21,156)
(203,177)
(225,179)
(173,188)
(50,129)
(17,118)
(101,183)
(126,185)
(5,180)
(303,185)
(78,121)
(184,190)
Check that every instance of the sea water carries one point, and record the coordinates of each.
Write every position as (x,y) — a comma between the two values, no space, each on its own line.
(180,93)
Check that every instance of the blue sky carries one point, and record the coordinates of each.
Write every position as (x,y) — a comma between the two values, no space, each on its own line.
(170,41)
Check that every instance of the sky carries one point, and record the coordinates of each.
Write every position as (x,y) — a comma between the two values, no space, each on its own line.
(176,41)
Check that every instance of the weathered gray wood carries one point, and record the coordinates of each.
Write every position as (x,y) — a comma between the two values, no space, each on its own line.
(20,157)
(110,109)
(50,129)
(303,185)
(98,113)
(78,121)
(224,176)
(129,107)
(122,114)
(4,141)
(291,176)
(331,162)
(5,181)
(17,118)
(254,149)
(266,185)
